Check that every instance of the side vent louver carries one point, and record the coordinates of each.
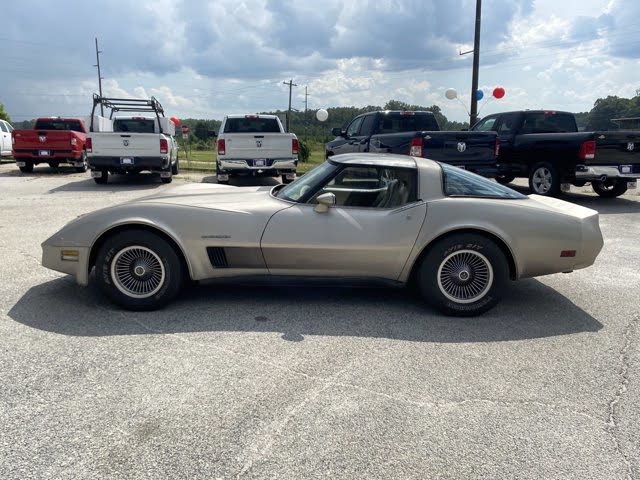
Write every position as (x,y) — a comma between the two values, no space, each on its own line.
(217,257)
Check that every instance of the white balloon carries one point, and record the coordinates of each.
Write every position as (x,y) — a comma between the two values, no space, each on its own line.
(451,93)
(322,115)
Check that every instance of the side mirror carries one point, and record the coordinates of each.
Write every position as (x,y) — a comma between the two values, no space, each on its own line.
(325,201)
(337,132)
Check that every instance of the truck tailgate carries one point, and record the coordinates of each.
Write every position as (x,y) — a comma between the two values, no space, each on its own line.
(258,145)
(460,148)
(43,139)
(125,144)
(617,148)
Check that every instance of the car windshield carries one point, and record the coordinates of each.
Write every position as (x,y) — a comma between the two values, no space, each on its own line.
(307,183)
(461,183)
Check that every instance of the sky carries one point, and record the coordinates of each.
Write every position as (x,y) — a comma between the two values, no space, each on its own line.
(205,59)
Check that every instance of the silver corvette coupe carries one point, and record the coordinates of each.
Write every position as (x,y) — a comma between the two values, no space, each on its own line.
(385,218)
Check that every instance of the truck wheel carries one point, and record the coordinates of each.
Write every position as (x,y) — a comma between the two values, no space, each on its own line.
(544,179)
(286,180)
(103,179)
(175,168)
(54,164)
(610,188)
(504,179)
(28,167)
(139,270)
(463,275)
(168,179)
(83,168)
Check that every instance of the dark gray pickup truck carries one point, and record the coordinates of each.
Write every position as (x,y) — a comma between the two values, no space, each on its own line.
(417,134)
(547,148)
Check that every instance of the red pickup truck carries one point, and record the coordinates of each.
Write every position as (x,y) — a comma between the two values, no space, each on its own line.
(52,140)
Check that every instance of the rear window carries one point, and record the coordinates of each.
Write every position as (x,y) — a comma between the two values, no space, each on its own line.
(74,125)
(396,122)
(460,183)
(134,125)
(548,122)
(251,125)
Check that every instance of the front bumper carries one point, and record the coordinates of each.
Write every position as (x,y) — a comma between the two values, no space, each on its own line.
(605,172)
(138,163)
(76,264)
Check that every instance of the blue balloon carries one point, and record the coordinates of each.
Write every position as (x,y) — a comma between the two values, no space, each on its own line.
(479,95)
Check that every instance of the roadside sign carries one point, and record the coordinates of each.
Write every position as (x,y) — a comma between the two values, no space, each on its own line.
(185,136)
(185,129)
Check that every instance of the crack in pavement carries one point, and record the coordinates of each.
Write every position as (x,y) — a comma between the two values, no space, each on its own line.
(623,374)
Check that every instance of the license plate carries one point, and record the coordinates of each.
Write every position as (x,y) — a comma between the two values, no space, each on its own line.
(96,174)
(21,164)
(126,161)
(632,185)
(260,162)
(43,153)
(626,169)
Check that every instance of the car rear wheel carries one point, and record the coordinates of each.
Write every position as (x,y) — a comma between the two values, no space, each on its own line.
(610,188)
(463,275)
(27,168)
(139,270)
(505,179)
(544,179)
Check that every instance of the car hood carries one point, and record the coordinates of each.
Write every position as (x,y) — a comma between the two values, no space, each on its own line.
(217,197)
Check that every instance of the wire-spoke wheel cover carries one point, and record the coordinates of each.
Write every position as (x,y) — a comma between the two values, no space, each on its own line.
(138,272)
(465,276)
(542,180)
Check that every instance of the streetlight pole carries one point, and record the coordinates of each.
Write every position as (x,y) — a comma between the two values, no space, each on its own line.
(473,116)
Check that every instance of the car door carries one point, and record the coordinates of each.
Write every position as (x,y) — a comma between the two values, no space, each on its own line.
(506,127)
(5,138)
(368,233)
(351,140)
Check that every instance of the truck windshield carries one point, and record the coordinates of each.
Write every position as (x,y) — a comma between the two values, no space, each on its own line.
(251,125)
(400,122)
(134,125)
(74,125)
(548,122)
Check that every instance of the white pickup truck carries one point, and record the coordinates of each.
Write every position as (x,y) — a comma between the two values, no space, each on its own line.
(256,145)
(131,144)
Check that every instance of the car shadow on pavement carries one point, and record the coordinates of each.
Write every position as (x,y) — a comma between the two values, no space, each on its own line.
(530,309)
(245,181)
(41,171)
(116,182)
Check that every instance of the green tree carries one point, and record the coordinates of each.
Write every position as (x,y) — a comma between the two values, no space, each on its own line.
(612,107)
(4,115)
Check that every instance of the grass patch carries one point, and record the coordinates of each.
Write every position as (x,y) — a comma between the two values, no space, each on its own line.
(205,160)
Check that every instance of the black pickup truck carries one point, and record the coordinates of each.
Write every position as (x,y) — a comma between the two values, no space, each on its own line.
(417,134)
(546,147)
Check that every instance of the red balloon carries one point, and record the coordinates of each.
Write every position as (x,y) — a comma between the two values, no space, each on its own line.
(175,121)
(498,92)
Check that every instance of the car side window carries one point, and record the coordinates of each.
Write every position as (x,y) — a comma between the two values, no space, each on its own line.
(3,127)
(507,123)
(371,187)
(486,125)
(367,125)
(354,127)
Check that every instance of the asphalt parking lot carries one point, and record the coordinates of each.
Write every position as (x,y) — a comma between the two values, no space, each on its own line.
(241,381)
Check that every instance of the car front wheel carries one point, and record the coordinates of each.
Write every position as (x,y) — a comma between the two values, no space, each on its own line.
(463,275)
(139,270)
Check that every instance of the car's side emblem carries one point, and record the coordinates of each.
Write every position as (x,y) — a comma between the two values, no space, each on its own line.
(258,143)
(631,146)
(462,147)
(125,143)
(42,138)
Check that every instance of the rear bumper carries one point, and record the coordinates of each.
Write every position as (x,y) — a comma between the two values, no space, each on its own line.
(272,166)
(34,156)
(597,172)
(139,163)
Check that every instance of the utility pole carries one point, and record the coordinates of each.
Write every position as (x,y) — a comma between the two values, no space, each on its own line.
(291,85)
(473,116)
(305,112)
(98,52)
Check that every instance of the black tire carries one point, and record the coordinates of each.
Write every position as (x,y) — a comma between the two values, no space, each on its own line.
(84,166)
(104,179)
(168,179)
(544,179)
(28,167)
(475,256)
(54,164)
(163,284)
(285,180)
(175,168)
(610,188)
(505,179)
